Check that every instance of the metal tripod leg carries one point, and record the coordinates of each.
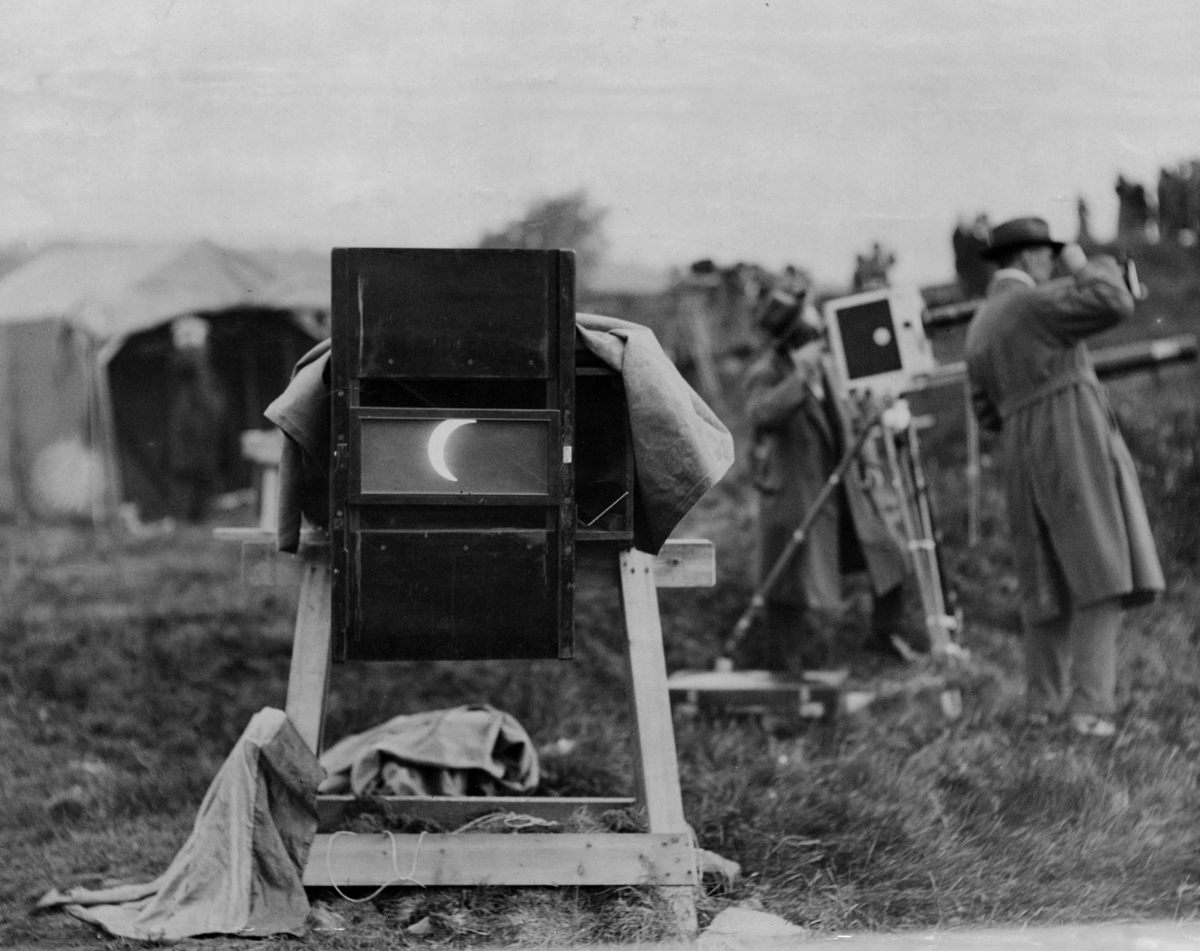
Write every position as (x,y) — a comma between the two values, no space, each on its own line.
(758,600)
(908,483)
(947,620)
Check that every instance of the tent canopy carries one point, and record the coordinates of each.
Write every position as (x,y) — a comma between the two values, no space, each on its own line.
(86,372)
(116,290)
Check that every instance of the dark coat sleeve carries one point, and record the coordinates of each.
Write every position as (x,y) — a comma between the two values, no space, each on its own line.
(1095,301)
(774,392)
(985,410)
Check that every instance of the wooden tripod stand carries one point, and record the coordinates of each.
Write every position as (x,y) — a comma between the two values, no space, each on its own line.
(664,856)
(902,453)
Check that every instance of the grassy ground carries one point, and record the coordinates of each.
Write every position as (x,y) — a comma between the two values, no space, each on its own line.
(129,668)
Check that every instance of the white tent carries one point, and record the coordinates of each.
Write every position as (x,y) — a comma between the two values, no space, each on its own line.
(84,337)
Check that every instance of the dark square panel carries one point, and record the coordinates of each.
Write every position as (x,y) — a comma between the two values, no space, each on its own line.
(449,595)
(470,313)
(869,339)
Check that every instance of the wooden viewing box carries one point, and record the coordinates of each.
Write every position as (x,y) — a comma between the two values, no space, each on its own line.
(481,469)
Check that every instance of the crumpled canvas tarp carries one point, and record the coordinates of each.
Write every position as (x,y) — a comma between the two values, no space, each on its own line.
(239,872)
(472,750)
(681,449)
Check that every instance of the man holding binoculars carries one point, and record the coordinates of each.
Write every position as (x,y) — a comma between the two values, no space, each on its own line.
(1081,539)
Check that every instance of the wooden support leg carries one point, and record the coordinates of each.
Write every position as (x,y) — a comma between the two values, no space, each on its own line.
(657,764)
(308,678)
(268,498)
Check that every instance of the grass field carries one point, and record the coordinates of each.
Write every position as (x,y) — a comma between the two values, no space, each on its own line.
(128,668)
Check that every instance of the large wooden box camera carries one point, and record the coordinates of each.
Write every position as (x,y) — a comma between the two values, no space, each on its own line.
(470,454)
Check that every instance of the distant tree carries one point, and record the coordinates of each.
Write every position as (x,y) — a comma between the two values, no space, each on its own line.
(567,221)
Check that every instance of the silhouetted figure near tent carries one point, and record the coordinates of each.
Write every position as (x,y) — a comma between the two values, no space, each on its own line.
(195,417)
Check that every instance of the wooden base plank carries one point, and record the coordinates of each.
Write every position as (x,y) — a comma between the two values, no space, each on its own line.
(347,859)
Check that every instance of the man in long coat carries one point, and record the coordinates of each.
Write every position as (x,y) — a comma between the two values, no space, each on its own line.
(1080,535)
(802,426)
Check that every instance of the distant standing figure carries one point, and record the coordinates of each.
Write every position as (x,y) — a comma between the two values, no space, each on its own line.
(1080,535)
(1172,204)
(1133,209)
(1084,215)
(969,242)
(872,273)
(194,422)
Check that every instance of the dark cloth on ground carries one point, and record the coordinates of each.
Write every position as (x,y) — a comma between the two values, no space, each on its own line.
(464,751)
(240,870)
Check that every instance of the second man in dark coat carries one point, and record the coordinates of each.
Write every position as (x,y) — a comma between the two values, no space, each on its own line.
(802,423)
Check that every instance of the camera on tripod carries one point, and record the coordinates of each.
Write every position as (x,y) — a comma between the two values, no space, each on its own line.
(880,351)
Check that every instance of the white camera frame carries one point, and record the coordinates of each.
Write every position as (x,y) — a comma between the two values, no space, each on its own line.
(906,308)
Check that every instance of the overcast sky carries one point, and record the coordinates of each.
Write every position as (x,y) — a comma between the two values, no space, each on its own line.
(789,131)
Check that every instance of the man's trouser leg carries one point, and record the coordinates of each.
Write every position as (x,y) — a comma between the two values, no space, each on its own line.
(778,638)
(887,618)
(1093,637)
(1048,665)
(1071,661)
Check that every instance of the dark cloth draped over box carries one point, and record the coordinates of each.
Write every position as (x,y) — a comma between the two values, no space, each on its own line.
(681,449)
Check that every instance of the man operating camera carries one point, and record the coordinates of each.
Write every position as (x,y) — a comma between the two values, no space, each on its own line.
(802,425)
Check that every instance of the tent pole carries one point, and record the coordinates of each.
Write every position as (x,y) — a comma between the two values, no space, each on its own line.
(85,354)
(16,438)
(107,426)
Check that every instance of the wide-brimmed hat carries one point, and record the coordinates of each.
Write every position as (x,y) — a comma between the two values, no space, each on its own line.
(780,312)
(1019,233)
